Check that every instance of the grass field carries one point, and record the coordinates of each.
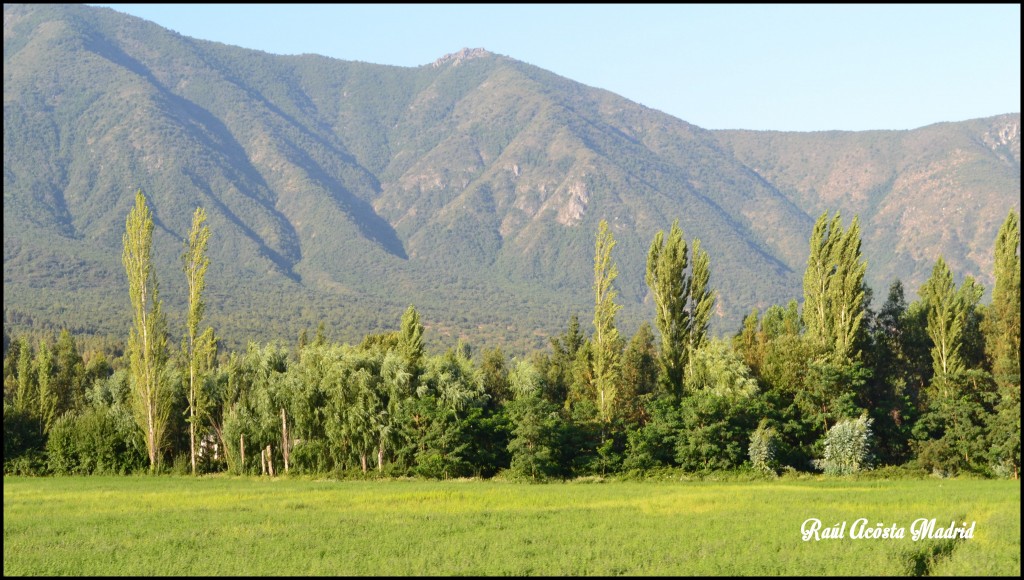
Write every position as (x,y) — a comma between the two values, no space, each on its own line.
(248,526)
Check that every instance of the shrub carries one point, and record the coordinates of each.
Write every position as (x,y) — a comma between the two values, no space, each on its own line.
(99,440)
(23,437)
(847,447)
(764,443)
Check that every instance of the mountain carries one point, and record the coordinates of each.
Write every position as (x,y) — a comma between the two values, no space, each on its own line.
(341,192)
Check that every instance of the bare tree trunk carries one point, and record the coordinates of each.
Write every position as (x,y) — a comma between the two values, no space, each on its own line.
(241,446)
(284,437)
(263,461)
(270,461)
(380,457)
(362,457)
(192,439)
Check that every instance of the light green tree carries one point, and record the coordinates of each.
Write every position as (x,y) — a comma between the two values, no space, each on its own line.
(668,280)
(199,350)
(683,303)
(948,309)
(607,345)
(411,341)
(147,339)
(834,288)
(700,300)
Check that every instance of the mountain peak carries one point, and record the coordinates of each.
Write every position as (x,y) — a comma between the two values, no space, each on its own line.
(456,58)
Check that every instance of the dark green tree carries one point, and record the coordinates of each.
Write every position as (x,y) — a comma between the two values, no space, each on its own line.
(1002,336)
(534,421)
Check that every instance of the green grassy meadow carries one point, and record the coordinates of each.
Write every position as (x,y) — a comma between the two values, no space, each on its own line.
(249,526)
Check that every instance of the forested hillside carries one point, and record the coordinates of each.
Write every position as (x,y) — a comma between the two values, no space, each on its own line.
(341,192)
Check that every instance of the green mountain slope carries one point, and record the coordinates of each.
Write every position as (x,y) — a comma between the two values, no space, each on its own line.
(341,191)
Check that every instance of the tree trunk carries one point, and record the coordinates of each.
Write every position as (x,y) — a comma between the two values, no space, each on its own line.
(241,446)
(362,458)
(380,457)
(284,438)
(192,440)
(270,461)
(263,461)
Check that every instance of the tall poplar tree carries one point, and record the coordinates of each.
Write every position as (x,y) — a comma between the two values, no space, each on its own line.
(48,398)
(1002,344)
(147,339)
(27,392)
(683,303)
(817,275)
(701,300)
(834,287)
(668,281)
(607,347)
(847,293)
(198,349)
(411,341)
(1002,347)
(948,309)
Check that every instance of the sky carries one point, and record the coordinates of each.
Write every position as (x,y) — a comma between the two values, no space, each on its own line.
(851,67)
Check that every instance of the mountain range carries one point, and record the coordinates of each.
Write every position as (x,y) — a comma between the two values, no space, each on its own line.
(341,192)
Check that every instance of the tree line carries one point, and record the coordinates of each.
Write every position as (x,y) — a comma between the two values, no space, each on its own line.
(829,384)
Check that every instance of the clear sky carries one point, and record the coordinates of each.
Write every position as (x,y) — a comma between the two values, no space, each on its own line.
(766,67)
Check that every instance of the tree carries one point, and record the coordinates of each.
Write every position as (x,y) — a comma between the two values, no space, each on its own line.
(411,340)
(834,290)
(534,419)
(147,339)
(495,376)
(69,373)
(892,394)
(25,394)
(607,347)
(558,367)
(948,312)
(639,374)
(668,281)
(198,349)
(1002,344)
(700,300)
(47,397)
(395,385)
(683,302)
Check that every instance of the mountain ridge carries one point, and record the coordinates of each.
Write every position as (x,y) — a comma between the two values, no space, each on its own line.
(341,191)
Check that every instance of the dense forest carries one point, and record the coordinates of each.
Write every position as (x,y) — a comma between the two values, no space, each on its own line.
(831,383)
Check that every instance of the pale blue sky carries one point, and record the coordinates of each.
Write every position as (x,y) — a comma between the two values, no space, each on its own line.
(766,67)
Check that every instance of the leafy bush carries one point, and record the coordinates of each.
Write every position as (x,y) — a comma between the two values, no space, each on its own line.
(313,456)
(23,438)
(764,442)
(99,440)
(847,447)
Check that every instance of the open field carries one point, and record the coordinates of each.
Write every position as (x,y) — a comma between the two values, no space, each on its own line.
(248,526)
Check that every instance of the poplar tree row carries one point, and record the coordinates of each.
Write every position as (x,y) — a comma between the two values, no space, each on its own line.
(829,384)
